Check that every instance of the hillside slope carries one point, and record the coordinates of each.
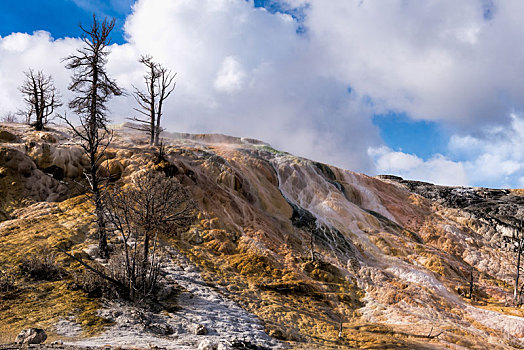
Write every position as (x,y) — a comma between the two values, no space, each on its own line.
(318,257)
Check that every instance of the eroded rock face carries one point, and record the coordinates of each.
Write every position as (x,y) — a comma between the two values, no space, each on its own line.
(31,336)
(68,158)
(20,177)
(501,210)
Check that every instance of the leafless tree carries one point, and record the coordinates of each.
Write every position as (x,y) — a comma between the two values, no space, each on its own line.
(41,97)
(518,248)
(471,284)
(516,243)
(10,117)
(94,88)
(159,84)
(151,205)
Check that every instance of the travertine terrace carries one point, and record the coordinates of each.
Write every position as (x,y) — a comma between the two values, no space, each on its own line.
(312,255)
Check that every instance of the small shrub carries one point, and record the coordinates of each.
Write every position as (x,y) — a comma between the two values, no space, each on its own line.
(7,281)
(41,267)
(94,285)
(152,205)
(144,278)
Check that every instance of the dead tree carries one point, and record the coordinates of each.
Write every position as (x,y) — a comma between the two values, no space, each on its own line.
(159,85)
(519,245)
(516,244)
(41,97)
(94,88)
(152,204)
(471,283)
(10,117)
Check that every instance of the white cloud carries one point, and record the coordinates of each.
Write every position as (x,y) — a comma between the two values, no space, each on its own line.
(437,170)
(244,71)
(494,157)
(231,76)
(19,52)
(241,71)
(436,60)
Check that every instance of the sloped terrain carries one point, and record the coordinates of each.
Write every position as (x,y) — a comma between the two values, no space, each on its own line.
(313,255)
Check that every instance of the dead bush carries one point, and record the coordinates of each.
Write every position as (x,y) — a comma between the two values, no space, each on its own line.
(41,267)
(151,205)
(94,285)
(7,281)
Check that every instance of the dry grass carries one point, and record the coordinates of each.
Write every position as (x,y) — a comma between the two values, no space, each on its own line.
(42,303)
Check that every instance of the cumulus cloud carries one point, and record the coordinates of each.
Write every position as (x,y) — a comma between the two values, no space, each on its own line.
(436,60)
(241,71)
(230,76)
(437,170)
(248,72)
(245,71)
(19,52)
(495,157)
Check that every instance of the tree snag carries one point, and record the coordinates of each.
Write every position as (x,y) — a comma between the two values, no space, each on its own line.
(94,88)
(41,97)
(160,84)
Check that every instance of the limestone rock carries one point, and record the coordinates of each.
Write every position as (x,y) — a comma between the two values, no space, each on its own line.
(200,329)
(207,344)
(6,136)
(31,336)
(193,236)
(160,328)
(111,168)
(48,137)
(223,346)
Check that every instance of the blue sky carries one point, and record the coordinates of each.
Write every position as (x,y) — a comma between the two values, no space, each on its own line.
(281,75)
(423,138)
(60,17)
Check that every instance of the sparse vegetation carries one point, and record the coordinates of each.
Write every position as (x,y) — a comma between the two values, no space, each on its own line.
(41,266)
(7,281)
(41,97)
(271,150)
(9,117)
(152,205)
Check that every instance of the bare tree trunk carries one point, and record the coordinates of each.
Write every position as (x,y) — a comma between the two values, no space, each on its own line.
(160,84)
(101,226)
(471,284)
(152,104)
(517,273)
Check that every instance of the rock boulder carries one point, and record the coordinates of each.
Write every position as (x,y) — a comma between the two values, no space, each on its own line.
(31,336)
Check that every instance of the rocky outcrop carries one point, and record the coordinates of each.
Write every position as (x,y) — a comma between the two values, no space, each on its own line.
(31,336)
(7,137)
(501,211)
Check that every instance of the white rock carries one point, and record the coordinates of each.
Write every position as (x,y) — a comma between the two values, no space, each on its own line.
(206,344)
